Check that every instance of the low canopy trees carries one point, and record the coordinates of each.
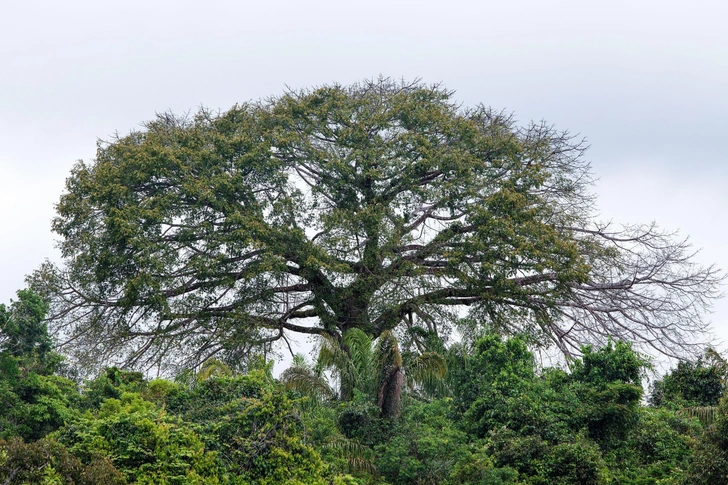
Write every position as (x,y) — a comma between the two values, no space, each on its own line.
(373,206)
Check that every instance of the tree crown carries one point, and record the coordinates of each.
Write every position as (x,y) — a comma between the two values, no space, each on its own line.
(375,206)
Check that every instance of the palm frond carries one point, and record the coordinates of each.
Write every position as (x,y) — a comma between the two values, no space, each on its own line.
(360,350)
(706,414)
(212,368)
(305,381)
(426,367)
(358,457)
(428,370)
(299,360)
(333,356)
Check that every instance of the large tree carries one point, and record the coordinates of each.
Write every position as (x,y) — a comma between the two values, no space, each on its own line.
(375,206)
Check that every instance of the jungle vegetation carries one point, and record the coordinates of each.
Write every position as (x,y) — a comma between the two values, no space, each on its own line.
(481,411)
(432,253)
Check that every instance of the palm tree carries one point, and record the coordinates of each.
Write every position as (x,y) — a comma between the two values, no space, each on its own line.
(351,360)
(377,368)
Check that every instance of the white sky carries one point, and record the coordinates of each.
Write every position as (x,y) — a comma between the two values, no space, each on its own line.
(644,81)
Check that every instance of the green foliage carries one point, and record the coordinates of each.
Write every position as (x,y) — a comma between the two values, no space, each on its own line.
(658,450)
(111,383)
(23,332)
(46,462)
(252,424)
(213,367)
(143,442)
(709,462)
(205,397)
(36,406)
(690,384)
(609,364)
(361,420)
(424,446)
(479,468)
(574,461)
(577,463)
(492,387)
(607,382)
(307,380)
(33,401)
(351,361)
(374,206)
(506,422)
(374,367)
(428,370)
(557,426)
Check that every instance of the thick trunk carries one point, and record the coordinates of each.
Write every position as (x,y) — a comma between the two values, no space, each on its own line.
(354,309)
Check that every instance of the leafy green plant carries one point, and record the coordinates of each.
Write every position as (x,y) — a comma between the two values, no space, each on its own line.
(46,462)
(144,442)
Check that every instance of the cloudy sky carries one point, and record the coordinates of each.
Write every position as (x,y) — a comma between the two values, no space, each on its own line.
(644,81)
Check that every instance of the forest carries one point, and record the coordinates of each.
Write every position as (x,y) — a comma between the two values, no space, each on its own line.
(471,319)
(486,413)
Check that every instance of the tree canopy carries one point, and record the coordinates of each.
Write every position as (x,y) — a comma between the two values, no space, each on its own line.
(376,206)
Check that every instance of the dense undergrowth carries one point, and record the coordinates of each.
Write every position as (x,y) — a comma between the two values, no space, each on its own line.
(494,417)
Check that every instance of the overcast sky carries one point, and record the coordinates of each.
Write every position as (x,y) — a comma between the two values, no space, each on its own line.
(646,82)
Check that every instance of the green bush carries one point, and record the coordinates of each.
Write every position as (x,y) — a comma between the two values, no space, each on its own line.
(690,384)
(46,462)
(424,446)
(143,442)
